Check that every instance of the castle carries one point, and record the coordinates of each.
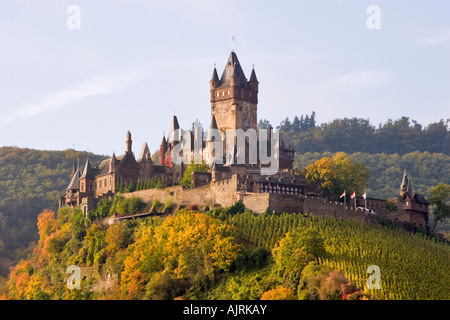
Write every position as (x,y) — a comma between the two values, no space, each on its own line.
(236,171)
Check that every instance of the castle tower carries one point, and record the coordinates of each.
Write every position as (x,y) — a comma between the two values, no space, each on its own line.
(234,99)
(413,204)
(129,143)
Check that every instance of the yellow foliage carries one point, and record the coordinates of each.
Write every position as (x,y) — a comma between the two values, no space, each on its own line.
(280,293)
(189,244)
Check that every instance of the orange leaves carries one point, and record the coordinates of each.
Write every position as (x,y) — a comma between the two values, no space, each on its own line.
(115,238)
(280,293)
(46,223)
(188,244)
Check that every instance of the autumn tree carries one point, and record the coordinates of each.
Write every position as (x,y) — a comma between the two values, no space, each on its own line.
(336,174)
(321,282)
(115,238)
(279,293)
(192,246)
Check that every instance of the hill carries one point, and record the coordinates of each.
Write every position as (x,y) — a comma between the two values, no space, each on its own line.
(228,254)
(352,135)
(30,180)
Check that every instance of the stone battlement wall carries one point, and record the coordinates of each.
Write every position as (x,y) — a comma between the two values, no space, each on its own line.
(224,192)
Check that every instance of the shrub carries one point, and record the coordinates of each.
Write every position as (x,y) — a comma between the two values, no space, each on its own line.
(280,293)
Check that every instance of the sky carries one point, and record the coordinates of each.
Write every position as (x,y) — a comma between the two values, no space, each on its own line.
(81,73)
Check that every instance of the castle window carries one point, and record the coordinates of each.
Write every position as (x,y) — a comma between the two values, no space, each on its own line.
(82,187)
(110,181)
(100,184)
(223,93)
(217,93)
(228,92)
(90,185)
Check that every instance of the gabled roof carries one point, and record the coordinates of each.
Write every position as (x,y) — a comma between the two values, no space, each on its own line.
(233,69)
(420,198)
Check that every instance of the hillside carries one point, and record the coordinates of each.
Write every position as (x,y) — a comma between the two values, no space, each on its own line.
(30,180)
(352,135)
(228,254)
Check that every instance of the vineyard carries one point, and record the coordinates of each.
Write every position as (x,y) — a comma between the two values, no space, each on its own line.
(412,266)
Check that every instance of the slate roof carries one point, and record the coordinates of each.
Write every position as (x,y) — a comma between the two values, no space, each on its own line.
(279,181)
(75,182)
(233,69)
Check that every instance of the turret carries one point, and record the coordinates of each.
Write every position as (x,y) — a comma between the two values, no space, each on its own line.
(253,82)
(129,143)
(214,82)
(162,151)
(112,163)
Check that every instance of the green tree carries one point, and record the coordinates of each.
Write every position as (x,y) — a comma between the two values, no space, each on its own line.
(439,197)
(295,251)
(186,180)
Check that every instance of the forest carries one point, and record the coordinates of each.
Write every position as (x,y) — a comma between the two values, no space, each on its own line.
(30,181)
(228,253)
(359,135)
(33,180)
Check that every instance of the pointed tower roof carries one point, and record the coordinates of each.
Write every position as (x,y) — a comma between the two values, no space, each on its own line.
(404,184)
(163,145)
(409,189)
(144,152)
(88,172)
(212,126)
(215,76)
(112,163)
(75,182)
(233,69)
(173,127)
(253,76)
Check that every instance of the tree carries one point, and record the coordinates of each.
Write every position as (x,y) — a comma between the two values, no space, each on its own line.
(115,238)
(186,180)
(286,125)
(295,251)
(296,125)
(337,174)
(439,196)
(279,293)
(264,124)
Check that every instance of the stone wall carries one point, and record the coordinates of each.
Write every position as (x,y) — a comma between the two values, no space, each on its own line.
(224,193)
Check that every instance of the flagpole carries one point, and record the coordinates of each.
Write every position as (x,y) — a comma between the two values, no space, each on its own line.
(345,201)
(365,199)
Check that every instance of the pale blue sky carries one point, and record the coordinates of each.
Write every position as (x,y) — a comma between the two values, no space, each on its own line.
(133,64)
